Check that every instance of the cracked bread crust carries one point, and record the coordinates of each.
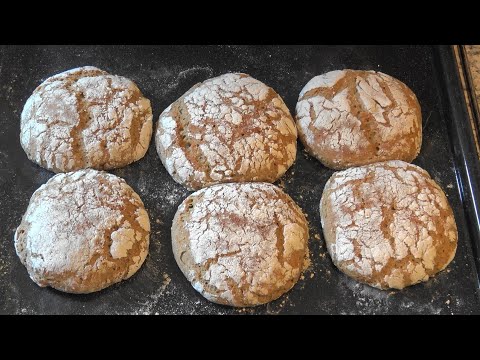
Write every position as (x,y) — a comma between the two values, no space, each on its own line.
(85,118)
(231,128)
(350,118)
(387,224)
(82,232)
(240,244)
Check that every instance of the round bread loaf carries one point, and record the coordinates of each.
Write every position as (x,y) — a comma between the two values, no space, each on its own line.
(83,231)
(240,244)
(85,118)
(387,224)
(231,128)
(349,118)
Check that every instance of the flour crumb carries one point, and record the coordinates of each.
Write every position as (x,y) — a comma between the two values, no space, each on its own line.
(166,280)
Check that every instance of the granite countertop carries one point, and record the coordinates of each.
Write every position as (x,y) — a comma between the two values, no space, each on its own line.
(473,61)
(473,56)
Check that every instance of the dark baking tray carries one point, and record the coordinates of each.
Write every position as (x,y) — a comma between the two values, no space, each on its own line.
(163,74)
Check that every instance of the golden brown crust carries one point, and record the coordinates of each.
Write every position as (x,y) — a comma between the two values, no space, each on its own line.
(352,118)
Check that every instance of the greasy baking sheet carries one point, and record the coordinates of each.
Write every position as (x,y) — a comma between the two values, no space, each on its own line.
(165,73)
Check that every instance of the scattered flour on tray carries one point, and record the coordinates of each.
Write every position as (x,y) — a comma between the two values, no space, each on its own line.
(166,196)
(148,306)
(169,81)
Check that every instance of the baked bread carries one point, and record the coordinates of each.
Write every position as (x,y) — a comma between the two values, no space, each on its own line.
(387,224)
(231,128)
(83,231)
(85,118)
(349,118)
(242,244)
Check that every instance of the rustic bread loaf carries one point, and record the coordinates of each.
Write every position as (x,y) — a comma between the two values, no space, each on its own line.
(240,244)
(83,231)
(349,118)
(387,224)
(231,128)
(86,118)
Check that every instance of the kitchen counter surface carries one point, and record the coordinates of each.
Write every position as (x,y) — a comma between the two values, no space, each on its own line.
(473,55)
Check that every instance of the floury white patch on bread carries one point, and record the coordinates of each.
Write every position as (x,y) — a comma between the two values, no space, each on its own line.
(83,231)
(349,118)
(86,118)
(240,244)
(232,128)
(387,224)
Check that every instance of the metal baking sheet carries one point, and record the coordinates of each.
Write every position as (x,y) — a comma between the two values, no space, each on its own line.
(163,73)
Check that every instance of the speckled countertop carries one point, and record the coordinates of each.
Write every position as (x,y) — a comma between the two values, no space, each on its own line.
(473,56)
(472,53)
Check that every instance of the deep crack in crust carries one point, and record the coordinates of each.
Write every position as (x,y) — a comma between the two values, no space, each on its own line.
(83,231)
(240,244)
(86,118)
(388,224)
(231,128)
(351,118)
